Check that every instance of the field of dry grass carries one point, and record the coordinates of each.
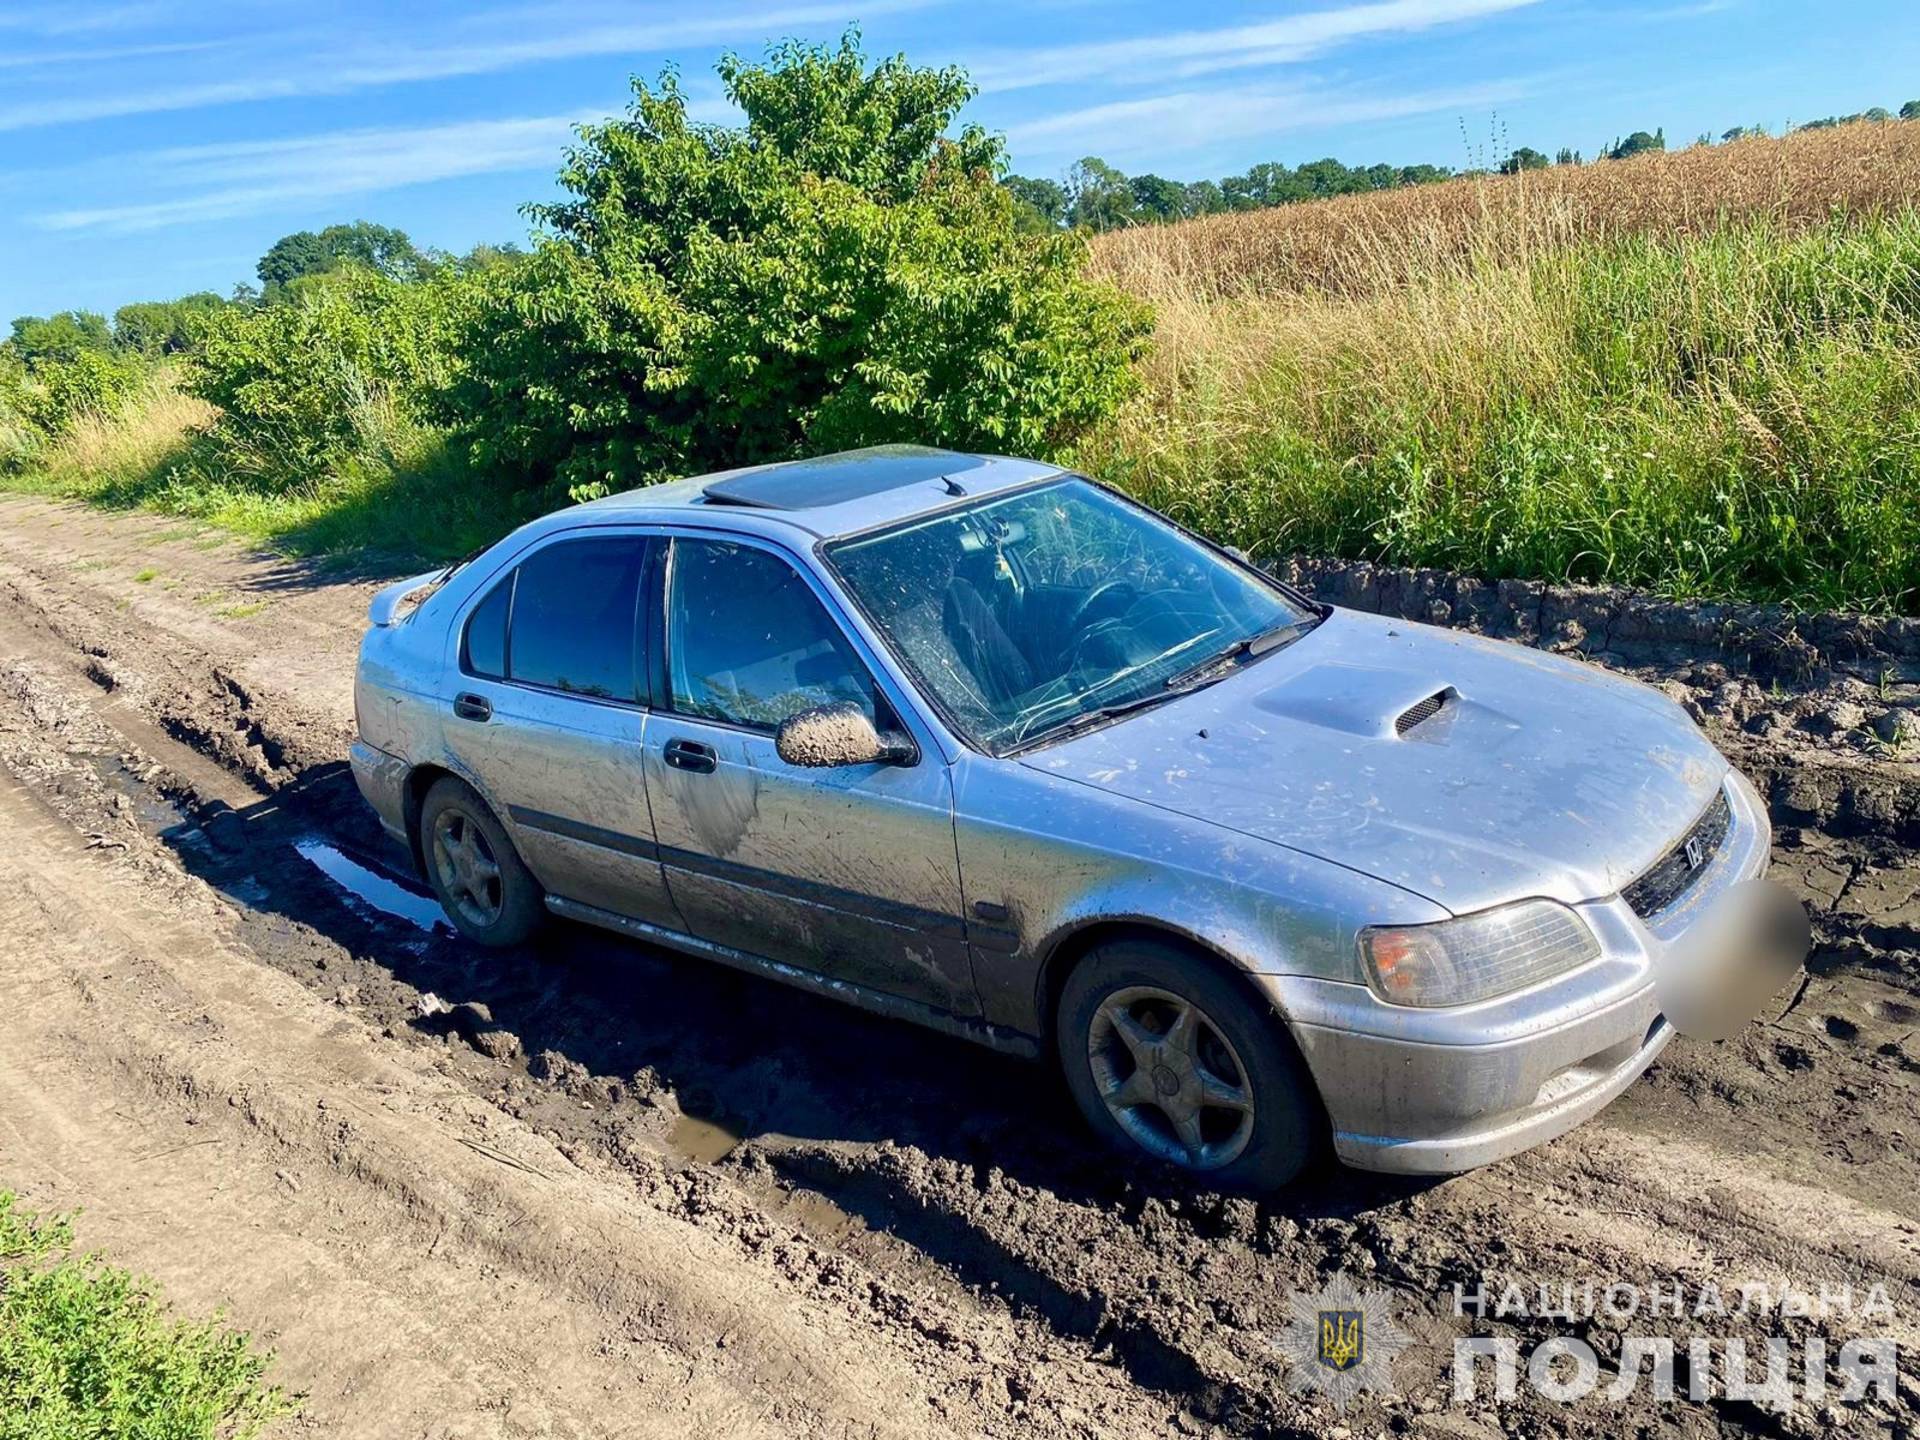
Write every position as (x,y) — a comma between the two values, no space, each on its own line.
(1697,372)
(1360,244)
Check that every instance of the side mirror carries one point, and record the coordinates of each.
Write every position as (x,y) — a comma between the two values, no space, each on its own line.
(838,734)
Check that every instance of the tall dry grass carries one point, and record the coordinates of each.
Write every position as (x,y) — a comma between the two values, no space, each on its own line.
(150,431)
(1698,373)
(1361,244)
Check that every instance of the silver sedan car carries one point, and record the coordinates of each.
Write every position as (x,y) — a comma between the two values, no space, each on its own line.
(982,744)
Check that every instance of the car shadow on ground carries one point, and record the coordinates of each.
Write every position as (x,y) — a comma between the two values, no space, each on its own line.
(748,1058)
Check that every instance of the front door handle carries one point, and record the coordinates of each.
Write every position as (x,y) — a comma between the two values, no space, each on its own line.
(469,706)
(690,755)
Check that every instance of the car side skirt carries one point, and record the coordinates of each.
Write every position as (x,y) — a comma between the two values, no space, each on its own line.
(894,1007)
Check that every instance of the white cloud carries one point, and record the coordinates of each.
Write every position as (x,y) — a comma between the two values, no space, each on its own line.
(217,182)
(1185,53)
(495,42)
(1167,125)
(78,20)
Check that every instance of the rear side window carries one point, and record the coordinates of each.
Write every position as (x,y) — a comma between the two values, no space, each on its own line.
(484,650)
(572,625)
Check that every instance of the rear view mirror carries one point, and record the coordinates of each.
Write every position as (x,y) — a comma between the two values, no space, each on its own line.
(839,734)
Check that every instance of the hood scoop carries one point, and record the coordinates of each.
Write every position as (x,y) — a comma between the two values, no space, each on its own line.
(1356,699)
(1421,711)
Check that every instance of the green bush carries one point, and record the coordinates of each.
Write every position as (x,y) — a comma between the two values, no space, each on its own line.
(164,327)
(91,382)
(88,1352)
(323,380)
(836,273)
(19,436)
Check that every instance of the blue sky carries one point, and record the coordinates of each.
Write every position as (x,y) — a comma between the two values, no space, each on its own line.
(153,147)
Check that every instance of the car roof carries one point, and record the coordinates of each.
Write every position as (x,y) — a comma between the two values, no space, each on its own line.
(826,496)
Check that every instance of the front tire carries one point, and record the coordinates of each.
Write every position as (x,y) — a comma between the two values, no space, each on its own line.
(476,874)
(1170,1057)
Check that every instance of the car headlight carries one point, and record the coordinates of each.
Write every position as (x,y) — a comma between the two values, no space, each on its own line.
(1476,957)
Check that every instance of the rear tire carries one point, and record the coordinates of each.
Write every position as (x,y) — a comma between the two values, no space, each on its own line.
(476,874)
(1172,1058)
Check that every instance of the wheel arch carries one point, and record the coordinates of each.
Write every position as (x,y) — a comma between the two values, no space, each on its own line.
(413,797)
(1067,950)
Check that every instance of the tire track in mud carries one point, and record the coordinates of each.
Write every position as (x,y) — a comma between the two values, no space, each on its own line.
(924,1168)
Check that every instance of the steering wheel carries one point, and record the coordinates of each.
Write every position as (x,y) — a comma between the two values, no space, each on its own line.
(1108,598)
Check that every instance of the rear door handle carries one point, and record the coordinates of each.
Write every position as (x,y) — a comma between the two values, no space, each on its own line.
(690,755)
(472,707)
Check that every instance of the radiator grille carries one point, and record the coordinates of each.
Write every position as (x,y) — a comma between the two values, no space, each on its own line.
(1673,874)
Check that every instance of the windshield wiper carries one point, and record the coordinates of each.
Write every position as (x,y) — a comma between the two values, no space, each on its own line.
(1099,715)
(1193,678)
(1252,648)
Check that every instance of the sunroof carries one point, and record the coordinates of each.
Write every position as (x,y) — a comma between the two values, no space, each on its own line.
(835,479)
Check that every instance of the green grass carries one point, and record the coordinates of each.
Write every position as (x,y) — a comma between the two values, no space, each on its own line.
(407,497)
(1736,416)
(146,575)
(89,1352)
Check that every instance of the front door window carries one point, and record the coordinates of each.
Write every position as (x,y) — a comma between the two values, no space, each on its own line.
(749,643)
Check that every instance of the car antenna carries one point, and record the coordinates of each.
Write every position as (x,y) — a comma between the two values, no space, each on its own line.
(954,487)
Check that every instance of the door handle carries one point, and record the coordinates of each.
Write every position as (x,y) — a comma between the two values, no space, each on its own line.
(469,706)
(689,755)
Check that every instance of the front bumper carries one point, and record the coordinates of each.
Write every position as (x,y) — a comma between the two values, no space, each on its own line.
(1441,1091)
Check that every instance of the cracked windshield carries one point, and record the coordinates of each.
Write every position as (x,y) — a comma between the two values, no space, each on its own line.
(1044,610)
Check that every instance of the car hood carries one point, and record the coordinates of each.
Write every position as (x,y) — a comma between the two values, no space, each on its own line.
(1538,775)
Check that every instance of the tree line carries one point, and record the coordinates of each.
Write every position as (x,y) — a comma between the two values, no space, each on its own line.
(1094,195)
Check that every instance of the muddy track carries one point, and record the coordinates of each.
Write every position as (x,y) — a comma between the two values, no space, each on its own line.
(946,1198)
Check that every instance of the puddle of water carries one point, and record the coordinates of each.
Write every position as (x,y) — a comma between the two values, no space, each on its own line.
(155,814)
(820,1217)
(373,890)
(707,1141)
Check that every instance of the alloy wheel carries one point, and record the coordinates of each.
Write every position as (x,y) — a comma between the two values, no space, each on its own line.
(467,869)
(1170,1077)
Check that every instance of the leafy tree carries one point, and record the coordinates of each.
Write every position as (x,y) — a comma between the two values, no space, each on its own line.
(1743,132)
(1202,197)
(1329,177)
(1041,204)
(1098,195)
(1568,157)
(378,247)
(164,327)
(1525,158)
(1638,143)
(1910,110)
(1157,198)
(485,256)
(840,271)
(59,338)
(1263,185)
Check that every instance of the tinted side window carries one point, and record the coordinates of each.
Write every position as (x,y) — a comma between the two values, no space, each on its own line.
(483,650)
(573,618)
(749,643)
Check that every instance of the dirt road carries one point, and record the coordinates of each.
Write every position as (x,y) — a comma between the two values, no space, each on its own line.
(602,1190)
